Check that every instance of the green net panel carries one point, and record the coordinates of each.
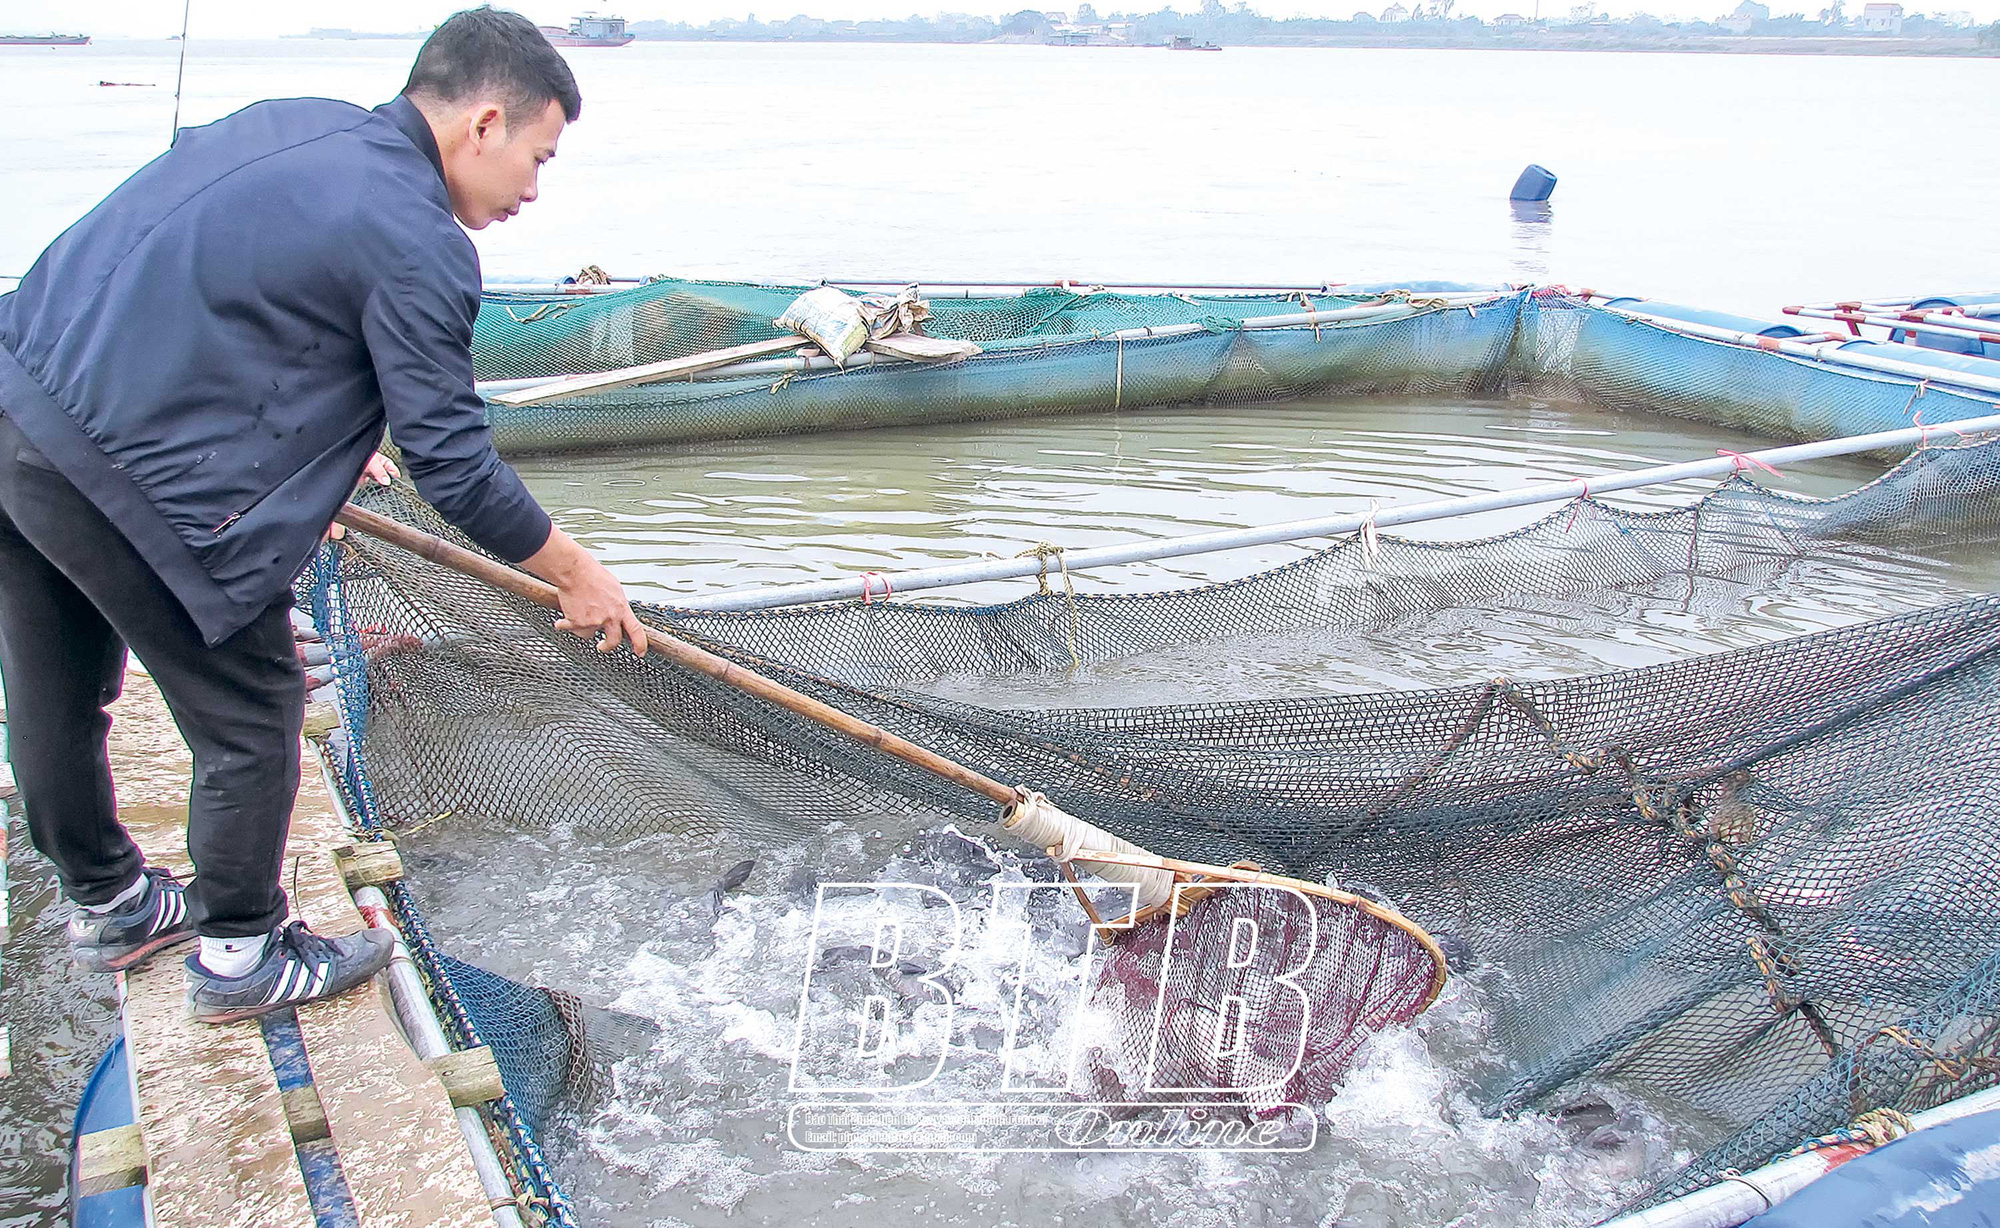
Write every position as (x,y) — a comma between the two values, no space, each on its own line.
(1047,352)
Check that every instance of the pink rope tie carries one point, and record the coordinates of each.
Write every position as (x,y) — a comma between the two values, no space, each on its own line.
(1576,506)
(1743,462)
(868,579)
(1924,429)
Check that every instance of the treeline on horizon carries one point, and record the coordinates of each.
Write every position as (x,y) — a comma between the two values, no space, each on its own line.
(1239,26)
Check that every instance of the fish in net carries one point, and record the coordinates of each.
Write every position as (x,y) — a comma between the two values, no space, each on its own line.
(1260,970)
(1711,882)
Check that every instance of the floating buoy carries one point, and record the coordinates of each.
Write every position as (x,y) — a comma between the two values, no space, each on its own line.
(1535,183)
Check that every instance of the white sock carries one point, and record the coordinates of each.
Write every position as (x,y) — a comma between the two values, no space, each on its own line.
(116,902)
(232,957)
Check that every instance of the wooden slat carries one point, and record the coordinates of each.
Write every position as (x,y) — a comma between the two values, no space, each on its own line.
(219,1142)
(648,373)
(368,865)
(470,1076)
(113,1159)
(399,1141)
(219,1149)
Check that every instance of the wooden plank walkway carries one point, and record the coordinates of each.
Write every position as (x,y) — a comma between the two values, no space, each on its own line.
(219,1147)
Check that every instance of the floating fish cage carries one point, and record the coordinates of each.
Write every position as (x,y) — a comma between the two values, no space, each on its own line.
(1061,349)
(1756,885)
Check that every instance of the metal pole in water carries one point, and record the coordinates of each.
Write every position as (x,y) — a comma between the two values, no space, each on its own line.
(180,74)
(848,588)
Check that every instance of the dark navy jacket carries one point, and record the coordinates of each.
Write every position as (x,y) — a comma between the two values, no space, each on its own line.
(211,354)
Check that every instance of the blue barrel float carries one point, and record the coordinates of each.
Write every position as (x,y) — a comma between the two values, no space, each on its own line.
(1959,345)
(106,1103)
(1536,183)
(1947,1176)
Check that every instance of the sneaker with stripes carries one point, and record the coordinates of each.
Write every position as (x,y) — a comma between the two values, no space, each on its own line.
(297,966)
(119,940)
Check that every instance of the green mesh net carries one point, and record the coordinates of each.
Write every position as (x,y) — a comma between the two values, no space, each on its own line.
(1053,351)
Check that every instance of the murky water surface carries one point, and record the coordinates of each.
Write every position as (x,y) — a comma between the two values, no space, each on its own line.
(692,159)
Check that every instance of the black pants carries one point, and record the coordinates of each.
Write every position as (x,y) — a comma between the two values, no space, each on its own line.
(73,595)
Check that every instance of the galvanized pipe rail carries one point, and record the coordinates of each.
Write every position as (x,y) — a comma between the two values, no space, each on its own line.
(1937,323)
(848,588)
(1825,351)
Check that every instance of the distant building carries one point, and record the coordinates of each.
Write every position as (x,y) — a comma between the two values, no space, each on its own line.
(1510,19)
(1057,19)
(1395,12)
(1880,19)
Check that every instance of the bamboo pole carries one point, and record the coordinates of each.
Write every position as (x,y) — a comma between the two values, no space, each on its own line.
(1020,808)
(848,588)
(680,652)
(646,373)
(419,1022)
(427,1039)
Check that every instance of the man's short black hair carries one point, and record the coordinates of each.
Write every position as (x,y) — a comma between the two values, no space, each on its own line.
(489,49)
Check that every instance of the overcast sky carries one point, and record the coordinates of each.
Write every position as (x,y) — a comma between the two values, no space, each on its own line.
(262,19)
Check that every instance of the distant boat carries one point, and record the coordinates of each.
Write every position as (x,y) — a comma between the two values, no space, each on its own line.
(589,32)
(44,40)
(1185,42)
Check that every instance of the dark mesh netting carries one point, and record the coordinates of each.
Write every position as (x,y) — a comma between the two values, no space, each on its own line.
(1715,881)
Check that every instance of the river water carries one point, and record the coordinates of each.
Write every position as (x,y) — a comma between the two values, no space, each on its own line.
(1700,178)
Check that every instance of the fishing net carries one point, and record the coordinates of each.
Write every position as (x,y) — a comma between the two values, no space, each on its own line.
(1051,350)
(1749,886)
(1046,351)
(1261,989)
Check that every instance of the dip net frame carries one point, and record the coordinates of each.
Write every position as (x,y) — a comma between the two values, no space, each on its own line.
(1752,887)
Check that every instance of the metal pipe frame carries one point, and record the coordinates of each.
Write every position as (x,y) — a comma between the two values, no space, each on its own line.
(1937,323)
(1824,350)
(425,1033)
(849,588)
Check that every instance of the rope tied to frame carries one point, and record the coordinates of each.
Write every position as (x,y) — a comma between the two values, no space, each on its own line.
(1730,1174)
(1042,552)
(1744,461)
(1417,302)
(868,579)
(1371,538)
(1949,1065)
(547,311)
(1922,389)
(1875,1128)
(1576,505)
(1924,429)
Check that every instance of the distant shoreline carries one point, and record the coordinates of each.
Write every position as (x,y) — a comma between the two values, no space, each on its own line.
(1546,40)
(1499,41)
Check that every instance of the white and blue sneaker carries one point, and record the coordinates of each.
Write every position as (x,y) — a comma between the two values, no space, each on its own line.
(297,966)
(121,940)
